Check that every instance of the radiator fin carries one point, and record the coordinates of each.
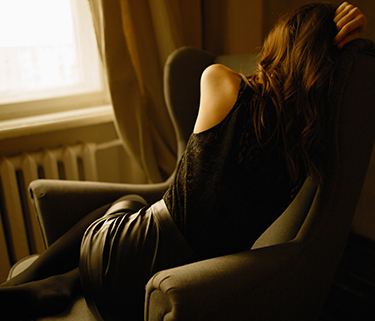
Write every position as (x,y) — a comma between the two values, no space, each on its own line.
(29,169)
(14,224)
(49,165)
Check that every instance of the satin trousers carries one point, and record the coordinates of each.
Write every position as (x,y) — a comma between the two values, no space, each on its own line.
(122,250)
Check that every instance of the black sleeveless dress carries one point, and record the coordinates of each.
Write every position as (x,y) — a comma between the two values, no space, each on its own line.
(228,189)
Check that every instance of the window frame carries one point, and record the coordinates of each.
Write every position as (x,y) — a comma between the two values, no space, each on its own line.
(67,103)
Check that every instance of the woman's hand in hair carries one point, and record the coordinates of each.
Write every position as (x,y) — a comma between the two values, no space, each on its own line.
(350,22)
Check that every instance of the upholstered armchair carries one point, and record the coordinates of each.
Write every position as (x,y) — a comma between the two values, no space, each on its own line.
(287,273)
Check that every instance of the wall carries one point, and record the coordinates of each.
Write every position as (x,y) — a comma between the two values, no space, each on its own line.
(239,26)
(232,26)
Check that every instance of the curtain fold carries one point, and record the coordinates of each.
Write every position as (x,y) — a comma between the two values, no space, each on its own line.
(135,38)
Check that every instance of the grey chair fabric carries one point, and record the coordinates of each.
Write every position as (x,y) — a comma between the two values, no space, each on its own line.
(288,272)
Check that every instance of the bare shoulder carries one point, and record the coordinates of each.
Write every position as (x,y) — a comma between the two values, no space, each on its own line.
(219,91)
(217,73)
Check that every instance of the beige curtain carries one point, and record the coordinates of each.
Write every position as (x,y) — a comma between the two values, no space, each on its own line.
(135,38)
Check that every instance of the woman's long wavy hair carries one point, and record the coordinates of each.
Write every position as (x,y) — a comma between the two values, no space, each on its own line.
(293,75)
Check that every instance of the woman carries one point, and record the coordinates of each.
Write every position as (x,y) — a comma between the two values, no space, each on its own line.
(255,140)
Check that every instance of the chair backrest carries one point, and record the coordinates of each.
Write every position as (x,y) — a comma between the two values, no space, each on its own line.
(350,140)
(322,235)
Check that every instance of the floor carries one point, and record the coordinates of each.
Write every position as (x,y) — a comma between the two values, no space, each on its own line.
(352,296)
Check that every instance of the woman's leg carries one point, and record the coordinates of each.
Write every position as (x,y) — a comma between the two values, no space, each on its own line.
(62,256)
(39,298)
(53,280)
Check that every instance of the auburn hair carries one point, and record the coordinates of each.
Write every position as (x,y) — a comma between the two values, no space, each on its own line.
(293,75)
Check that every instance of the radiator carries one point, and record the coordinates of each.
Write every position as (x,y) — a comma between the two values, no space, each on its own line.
(19,230)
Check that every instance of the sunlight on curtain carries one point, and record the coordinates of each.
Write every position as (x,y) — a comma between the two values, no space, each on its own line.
(137,36)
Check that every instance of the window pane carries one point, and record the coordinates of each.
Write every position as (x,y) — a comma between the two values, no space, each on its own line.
(40,52)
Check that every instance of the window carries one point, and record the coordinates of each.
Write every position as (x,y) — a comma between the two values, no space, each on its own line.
(49,59)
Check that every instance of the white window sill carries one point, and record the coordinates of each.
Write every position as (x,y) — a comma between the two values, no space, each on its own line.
(57,121)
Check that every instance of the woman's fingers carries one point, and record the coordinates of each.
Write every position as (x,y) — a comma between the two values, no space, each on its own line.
(350,23)
(352,26)
(342,10)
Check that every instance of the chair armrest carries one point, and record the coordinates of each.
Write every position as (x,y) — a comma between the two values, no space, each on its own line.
(59,204)
(261,284)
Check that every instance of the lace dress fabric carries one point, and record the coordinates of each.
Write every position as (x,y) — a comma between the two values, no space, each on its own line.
(227,188)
